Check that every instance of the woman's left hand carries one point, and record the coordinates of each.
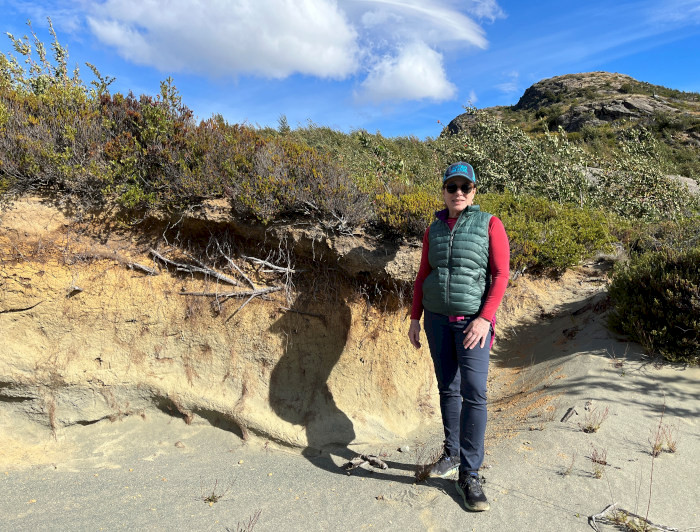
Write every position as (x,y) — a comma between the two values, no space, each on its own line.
(476,333)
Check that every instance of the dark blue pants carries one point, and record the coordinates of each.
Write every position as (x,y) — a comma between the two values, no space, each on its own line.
(461,375)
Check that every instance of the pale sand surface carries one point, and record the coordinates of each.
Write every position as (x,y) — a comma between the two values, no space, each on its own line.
(130,474)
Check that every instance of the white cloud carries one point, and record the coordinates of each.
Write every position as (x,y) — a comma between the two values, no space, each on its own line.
(415,73)
(510,86)
(270,38)
(472,97)
(486,9)
(433,20)
(391,49)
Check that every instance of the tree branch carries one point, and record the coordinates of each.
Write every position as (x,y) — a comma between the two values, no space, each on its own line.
(194,269)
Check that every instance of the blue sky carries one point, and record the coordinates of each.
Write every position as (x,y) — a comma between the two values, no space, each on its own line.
(400,67)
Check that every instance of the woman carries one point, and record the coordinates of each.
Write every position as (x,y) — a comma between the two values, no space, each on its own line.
(463,275)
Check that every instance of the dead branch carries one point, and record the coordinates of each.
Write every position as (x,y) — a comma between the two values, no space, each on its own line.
(319,316)
(570,412)
(239,308)
(358,461)
(146,269)
(613,507)
(226,295)
(240,272)
(9,310)
(194,269)
(267,264)
(235,266)
(601,515)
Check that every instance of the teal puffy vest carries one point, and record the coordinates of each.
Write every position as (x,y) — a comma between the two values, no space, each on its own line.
(459,259)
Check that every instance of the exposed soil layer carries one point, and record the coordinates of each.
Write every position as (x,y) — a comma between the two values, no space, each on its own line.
(88,334)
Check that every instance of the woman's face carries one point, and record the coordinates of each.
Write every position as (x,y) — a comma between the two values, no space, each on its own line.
(457,201)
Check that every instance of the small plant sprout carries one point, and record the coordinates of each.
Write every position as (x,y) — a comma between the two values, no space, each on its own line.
(599,460)
(663,439)
(593,420)
(215,496)
(569,468)
(249,525)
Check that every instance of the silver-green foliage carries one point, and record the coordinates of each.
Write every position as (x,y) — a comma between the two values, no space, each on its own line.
(507,158)
(634,186)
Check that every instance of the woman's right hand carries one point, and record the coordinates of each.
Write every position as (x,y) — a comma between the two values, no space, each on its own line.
(414,333)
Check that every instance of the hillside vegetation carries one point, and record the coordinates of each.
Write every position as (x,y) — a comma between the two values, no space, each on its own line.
(567,181)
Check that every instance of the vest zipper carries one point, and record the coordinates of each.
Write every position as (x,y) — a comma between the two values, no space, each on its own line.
(449,265)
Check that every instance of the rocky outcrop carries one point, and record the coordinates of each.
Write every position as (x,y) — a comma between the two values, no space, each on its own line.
(573,101)
(596,113)
(561,88)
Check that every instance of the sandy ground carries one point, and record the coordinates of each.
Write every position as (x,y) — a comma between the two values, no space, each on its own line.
(154,472)
(157,473)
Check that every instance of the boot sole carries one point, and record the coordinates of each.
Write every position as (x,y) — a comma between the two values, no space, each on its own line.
(476,507)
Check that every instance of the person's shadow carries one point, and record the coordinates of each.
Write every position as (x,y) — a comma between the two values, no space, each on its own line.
(314,340)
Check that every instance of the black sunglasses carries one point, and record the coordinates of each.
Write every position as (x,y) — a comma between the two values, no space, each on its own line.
(466,188)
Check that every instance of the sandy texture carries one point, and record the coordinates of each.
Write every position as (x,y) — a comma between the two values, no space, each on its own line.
(127,405)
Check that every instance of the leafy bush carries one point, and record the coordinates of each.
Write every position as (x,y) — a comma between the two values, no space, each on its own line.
(546,236)
(282,177)
(407,214)
(634,186)
(656,298)
(506,158)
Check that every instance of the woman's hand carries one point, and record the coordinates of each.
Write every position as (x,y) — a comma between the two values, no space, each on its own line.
(476,333)
(414,333)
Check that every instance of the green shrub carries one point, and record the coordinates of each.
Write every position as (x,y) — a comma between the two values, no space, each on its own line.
(406,214)
(506,158)
(272,177)
(545,236)
(656,299)
(634,186)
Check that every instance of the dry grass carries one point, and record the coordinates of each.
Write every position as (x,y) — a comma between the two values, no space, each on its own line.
(424,460)
(249,525)
(593,419)
(599,460)
(566,471)
(663,439)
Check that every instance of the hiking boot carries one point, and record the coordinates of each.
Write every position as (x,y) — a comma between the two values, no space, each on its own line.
(469,487)
(444,467)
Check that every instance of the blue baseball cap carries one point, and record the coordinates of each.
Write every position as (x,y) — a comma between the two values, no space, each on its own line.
(460,169)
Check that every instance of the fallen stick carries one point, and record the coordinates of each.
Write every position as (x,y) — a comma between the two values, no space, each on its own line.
(9,310)
(570,412)
(194,269)
(226,295)
(146,269)
(606,511)
(274,267)
(364,459)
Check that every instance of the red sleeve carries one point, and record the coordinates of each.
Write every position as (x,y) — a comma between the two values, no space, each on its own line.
(499,265)
(423,271)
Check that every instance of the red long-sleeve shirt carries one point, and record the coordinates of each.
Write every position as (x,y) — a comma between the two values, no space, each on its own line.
(499,266)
